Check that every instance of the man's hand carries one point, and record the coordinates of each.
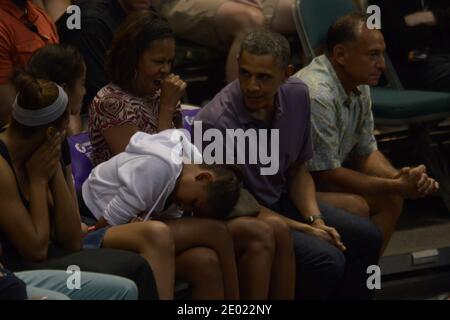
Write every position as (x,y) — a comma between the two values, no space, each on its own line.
(328,234)
(415,183)
(419,18)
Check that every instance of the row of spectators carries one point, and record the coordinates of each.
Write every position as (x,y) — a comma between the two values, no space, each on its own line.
(308,231)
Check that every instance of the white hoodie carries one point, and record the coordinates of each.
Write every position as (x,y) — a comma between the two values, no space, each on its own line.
(139,179)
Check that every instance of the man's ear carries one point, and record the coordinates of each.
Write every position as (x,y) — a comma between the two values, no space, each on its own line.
(204,176)
(339,53)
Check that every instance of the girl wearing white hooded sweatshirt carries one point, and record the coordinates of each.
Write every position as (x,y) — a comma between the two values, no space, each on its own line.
(158,177)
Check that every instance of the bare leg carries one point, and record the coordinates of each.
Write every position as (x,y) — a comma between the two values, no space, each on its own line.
(254,245)
(385,212)
(349,202)
(192,232)
(201,268)
(152,240)
(232,21)
(283,20)
(282,284)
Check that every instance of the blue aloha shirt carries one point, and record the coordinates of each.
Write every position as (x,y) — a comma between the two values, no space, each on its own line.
(342,125)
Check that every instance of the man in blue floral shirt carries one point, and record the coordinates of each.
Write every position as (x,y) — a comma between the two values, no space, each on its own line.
(349,170)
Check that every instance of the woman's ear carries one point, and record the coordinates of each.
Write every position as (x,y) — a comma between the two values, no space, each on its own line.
(204,176)
(51,132)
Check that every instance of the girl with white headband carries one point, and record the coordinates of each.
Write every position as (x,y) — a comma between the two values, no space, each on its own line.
(39,218)
(33,190)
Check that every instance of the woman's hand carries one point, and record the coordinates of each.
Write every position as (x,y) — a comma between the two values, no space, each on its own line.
(43,164)
(172,90)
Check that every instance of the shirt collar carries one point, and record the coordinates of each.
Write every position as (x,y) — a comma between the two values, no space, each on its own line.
(11,8)
(343,97)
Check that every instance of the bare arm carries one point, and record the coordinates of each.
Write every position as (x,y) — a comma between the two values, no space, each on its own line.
(56,8)
(351,181)
(118,138)
(27,229)
(295,225)
(67,223)
(39,3)
(172,89)
(302,191)
(376,164)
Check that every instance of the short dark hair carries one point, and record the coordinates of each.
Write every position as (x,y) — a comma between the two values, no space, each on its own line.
(59,63)
(223,193)
(130,41)
(344,30)
(265,42)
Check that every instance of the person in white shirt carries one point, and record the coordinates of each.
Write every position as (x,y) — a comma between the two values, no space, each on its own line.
(158,177)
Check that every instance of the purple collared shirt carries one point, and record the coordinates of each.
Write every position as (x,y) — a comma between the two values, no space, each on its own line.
(292,119)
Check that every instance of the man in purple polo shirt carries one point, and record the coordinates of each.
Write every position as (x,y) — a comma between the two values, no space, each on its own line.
(333,248)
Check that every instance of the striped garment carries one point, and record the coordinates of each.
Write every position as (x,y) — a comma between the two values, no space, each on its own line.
(114,107)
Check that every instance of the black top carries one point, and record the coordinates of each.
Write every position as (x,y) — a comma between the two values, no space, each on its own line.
(8,249)
(99,21)
(401,39)
(11,287)
(5,154)
(9,252)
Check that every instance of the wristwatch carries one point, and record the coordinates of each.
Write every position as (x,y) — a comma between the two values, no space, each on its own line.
(310,220)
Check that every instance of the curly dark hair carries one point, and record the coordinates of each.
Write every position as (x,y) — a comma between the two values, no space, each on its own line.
(223,192)
(130,41)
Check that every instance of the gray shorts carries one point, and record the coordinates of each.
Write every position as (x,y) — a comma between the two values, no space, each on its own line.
(193,20)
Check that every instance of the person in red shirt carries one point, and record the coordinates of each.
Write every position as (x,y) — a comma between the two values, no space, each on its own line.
(24,28)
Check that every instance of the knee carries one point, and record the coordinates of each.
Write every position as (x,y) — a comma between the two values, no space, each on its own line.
(359,206)
(206,265)
(254,235)
(157,235)
(240,17)
(249,19)
(128,290)
(282,232)
(393,204)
